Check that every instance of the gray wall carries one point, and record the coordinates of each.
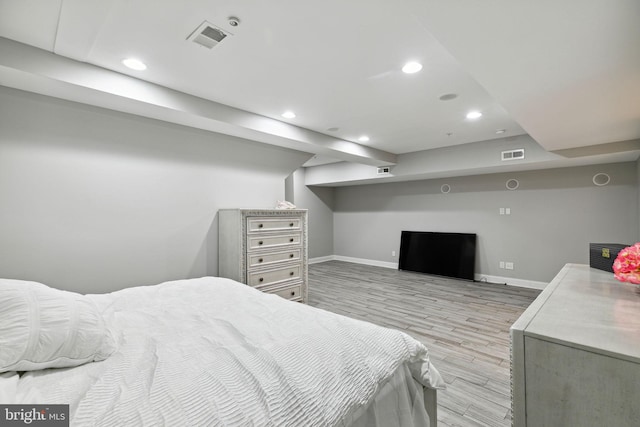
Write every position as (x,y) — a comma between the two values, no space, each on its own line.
(555,214)
(319,202)
(93,200)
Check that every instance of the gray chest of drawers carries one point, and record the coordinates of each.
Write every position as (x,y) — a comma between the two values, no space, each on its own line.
(576,353)
(265,249)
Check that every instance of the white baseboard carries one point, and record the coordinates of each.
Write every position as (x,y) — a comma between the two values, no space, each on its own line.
(321,259)
(373,262)
(522,283)
(364,261)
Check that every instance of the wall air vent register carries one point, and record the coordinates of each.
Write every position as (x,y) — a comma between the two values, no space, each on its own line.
(517,154)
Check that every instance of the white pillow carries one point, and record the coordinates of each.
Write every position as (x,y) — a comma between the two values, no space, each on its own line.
(42,327)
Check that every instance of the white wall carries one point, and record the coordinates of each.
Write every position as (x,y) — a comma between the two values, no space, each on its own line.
(93,200)
(319,202)
(555,214)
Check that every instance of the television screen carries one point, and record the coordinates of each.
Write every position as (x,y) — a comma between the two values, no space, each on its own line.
(442,254)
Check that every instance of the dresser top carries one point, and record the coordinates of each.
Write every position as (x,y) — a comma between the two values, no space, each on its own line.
(587,308)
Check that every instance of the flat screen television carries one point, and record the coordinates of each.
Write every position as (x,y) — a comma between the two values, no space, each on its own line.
(442,254)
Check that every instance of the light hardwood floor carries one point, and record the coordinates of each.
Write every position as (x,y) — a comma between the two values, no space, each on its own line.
(465,326)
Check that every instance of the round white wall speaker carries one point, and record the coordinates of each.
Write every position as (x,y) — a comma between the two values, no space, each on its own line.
(601,179)
(512,184)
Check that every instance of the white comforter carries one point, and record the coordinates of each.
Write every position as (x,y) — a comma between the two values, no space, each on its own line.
(211,351)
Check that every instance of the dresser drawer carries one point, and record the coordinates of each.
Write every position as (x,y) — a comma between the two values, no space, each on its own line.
(256,225)
(260,259)
(273,241)
(266,277)
(292,292)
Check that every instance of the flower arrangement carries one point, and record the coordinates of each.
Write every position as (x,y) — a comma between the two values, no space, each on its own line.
(626,267)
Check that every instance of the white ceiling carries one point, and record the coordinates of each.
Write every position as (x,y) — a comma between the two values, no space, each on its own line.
(567,73)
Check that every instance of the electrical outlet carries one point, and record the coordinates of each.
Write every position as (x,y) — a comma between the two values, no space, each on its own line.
(393,253)
(501,264)
(501,211)
(508,265)
(507,211)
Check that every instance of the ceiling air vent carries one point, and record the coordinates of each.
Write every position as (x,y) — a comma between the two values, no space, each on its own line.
(384,170)
(513,154)
(208,35)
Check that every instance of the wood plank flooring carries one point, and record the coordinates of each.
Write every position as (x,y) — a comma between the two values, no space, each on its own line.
(465,326)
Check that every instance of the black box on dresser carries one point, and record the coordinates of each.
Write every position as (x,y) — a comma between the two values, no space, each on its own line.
(602,255)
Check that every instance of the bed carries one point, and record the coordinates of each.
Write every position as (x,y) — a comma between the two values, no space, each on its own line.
(207,351)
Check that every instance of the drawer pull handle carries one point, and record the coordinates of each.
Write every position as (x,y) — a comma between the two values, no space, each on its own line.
(261,279)
(290,255)
(291,274)
(290,224)
(260,225)
(293,293)
(291,239)
(260,242)
(260,260)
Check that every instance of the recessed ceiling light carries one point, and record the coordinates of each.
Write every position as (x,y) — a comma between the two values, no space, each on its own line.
(474,115)
(363,138)
(499,131)
(134,64)
(448,97)
(288,114)
(412,67)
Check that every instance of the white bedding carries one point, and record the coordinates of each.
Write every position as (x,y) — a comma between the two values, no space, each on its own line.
(211,351)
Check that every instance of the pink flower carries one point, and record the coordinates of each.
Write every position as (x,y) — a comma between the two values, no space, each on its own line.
(626,267)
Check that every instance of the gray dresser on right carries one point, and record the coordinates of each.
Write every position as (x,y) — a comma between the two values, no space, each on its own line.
(575,353)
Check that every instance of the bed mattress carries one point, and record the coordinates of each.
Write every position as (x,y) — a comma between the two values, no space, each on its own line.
(211,351)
